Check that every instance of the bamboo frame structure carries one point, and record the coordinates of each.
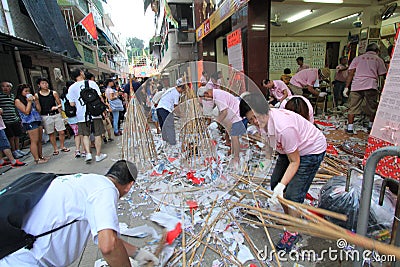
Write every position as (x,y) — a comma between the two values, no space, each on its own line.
(196,143)
(137,140)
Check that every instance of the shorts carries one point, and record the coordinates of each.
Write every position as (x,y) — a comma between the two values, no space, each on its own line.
(74,128)
(96,127)
(356,100)
(238,128)
(13,129)
(295,89)
(154,115)
(32,126)
(51,122)
(298,187)
(4,143)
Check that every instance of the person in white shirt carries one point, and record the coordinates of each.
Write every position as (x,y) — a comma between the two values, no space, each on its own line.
(90,202)
(85,128)
(168,101)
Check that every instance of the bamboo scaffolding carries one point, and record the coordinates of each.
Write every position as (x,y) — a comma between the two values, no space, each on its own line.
(137,140)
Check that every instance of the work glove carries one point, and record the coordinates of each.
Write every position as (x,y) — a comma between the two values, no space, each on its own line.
(145,256)
(346,92)
(322,94)
(278,191)
(277,105)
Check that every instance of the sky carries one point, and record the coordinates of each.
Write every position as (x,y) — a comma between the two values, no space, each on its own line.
(129,19)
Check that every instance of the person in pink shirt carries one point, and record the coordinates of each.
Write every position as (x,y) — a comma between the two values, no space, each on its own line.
(300,105)
(301,147)
(307,79)
(278,89)
(340,81)
(228,106)
(302,66)
(364,72)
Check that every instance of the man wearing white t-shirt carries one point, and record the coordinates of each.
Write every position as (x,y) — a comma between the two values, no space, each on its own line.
(89,201)
(168,101)
(85,128)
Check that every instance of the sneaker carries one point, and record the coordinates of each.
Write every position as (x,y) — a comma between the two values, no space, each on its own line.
(22,152)
(349,131)
(5,163)
(88,157)
(288,241)
(101,157)
(17,155)
(110,139)
(18,164)
(104,140)
(77,154)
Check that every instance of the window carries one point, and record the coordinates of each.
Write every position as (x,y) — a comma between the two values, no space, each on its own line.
(88,55)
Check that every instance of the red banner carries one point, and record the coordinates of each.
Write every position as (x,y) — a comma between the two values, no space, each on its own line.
(88,24)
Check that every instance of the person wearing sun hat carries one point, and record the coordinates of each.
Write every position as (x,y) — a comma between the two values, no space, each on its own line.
(307,79)
(168,101)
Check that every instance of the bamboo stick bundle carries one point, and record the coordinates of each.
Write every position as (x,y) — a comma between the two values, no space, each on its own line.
(137,140)
(196,144)
(319,226)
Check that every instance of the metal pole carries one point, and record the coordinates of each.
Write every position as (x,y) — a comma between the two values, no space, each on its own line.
(366,191)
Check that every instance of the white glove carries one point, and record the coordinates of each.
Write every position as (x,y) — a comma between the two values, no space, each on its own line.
(322,94)
(278,191)
(346,92)
(145,256)
(277,105)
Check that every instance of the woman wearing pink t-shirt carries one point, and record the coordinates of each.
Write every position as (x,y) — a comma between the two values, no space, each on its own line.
(301,147)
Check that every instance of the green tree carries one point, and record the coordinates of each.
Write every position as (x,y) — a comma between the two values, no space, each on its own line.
(134,47)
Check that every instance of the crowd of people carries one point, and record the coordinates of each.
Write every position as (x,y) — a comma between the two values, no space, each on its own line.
(35,112)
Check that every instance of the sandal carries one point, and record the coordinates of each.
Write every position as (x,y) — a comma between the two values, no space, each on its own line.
(40,161)
(64,149)
(44,158)
(55,153)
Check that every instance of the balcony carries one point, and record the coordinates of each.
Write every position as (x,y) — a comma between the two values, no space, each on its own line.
(81,5)
(177,48)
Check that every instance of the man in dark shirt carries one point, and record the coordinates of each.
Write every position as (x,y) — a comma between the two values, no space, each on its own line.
(11,120)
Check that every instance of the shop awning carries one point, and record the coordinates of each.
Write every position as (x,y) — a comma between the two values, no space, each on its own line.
(111,43)
(22,44)
(49,22)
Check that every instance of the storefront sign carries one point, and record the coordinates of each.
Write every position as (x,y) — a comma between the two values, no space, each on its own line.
(235,61)
(226,10)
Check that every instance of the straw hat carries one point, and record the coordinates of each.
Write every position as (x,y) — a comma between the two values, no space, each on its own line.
(325,73)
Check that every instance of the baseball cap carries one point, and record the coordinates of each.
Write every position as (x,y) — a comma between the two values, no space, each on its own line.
(179,82)
(201,91)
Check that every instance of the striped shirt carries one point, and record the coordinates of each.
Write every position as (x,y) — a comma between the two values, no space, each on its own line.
(8,106)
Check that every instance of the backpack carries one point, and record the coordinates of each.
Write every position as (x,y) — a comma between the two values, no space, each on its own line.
(70,111)
(17,199)
(92,101)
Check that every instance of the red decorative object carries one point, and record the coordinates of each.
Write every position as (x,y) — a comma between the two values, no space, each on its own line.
(192,205)
(388,167)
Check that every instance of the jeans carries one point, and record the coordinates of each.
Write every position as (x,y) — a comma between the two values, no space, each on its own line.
(298,187)
(115,120)
(338,89)
(166,121)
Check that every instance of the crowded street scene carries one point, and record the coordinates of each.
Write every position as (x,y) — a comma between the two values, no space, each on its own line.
(199,133)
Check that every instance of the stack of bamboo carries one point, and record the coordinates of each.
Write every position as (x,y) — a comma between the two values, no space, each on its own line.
(196,143)
(137,140)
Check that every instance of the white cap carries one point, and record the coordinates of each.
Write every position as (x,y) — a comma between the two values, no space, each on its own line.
(179,82)
(201,91)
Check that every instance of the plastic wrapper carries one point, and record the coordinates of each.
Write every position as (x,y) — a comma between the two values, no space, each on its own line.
(335,198)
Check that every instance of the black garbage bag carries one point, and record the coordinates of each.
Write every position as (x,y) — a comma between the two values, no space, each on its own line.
(334,197)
